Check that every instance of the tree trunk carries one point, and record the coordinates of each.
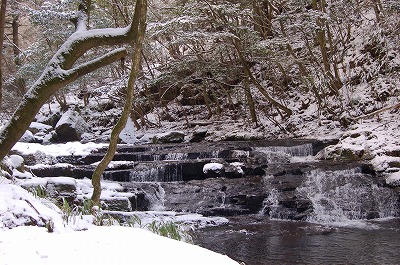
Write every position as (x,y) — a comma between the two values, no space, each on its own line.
(260,88)
(61,71)
(2,21)
(15,36)
(262,16)
(140,18)
(249,97)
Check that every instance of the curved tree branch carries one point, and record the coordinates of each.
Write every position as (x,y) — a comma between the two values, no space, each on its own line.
(58,73)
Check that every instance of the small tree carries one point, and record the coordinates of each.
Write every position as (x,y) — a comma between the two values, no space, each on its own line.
(139,19)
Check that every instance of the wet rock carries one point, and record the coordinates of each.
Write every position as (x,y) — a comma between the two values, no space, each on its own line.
(53,171)
(222,211)
(140,202)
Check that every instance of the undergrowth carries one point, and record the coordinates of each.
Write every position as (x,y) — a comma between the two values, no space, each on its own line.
(168,229)
(71,213)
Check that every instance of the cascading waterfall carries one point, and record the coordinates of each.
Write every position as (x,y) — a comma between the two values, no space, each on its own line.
(156,173)
(157,198)
(145,173)
(294,151)
(344,195)
(271,203)
(176,156)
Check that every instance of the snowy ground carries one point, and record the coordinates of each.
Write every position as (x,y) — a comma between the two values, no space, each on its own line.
(99,245)
(81,242)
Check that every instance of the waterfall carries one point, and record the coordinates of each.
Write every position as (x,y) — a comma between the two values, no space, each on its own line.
(149,172)
(157,200)
(345,195)
(294,151)
(271,205)
(145,173)
(176,156)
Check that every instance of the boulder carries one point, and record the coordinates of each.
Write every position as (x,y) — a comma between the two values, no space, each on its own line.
(140,202)
(169,137)
(198,136)
(17,162)
(70,127)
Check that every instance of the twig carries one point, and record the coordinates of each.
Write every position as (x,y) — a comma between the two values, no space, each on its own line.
(377,112)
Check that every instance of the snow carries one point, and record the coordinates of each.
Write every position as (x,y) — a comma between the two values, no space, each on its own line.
(393,179)
(27,137)
(127,135)
(212,167)
(100,245)
(17,207)
(83,242)
(40,126)
(16,161)
(72,118)
(66,149)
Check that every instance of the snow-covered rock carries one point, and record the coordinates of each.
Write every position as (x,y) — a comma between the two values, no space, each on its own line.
(36,127)
(20,208)
(27,137)
(393,179)
(169,137)
(70,127)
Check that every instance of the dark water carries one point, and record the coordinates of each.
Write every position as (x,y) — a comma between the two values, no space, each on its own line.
(262,241)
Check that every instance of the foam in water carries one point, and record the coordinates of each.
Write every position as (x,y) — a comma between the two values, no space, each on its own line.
(340,197)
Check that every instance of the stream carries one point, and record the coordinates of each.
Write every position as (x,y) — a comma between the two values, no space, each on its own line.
(258,241)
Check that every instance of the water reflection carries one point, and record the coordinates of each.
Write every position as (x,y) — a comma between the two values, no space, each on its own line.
(256,241)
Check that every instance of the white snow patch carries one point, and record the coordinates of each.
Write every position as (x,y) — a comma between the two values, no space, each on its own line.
(212,167)
(393,179)
(238,166)
(65,149)
(100,245)
(16,161)
(127,135)
(40,127)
